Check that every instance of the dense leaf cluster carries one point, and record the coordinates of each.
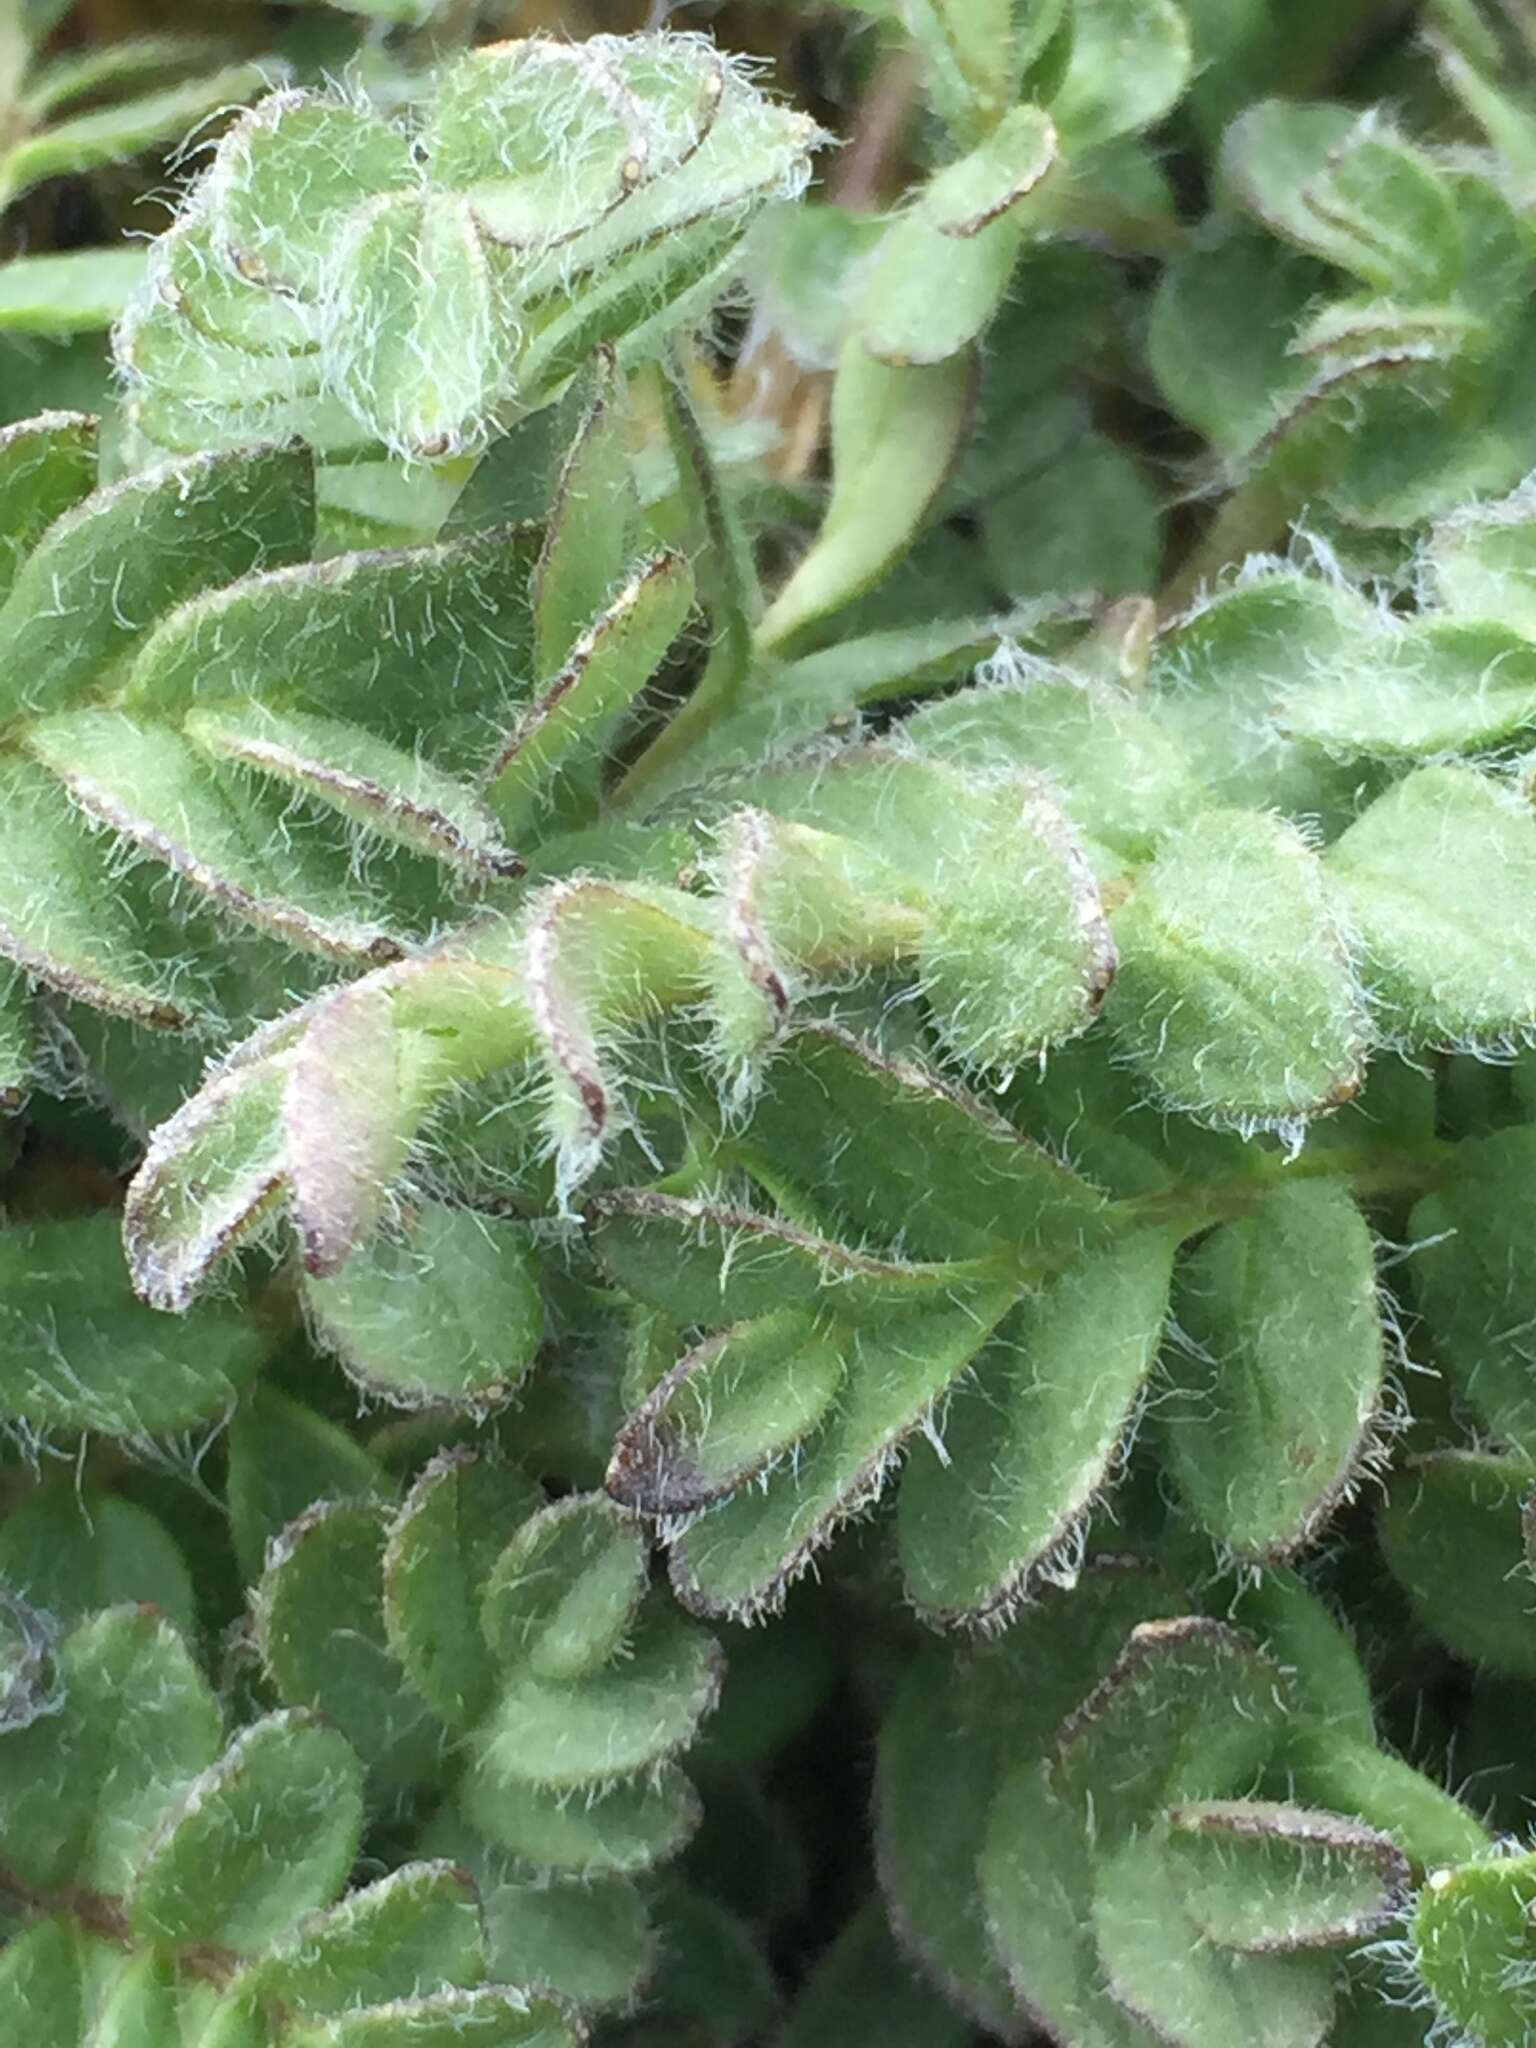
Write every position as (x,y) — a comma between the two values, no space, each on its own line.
(661,1031)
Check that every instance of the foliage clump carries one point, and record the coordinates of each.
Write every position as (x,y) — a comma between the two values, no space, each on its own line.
(728,901)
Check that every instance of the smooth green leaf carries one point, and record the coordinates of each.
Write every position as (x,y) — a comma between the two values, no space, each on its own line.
(895,431)
(446,1309)
(266,1835)
(1030,1441)
(112,134)
(563,1594)
(1235,997)
(82,292)
(83,1789)
(1435,878)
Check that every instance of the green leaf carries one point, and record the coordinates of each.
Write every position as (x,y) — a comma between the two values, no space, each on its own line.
(539,137)
(729,1409)
(1472,1237)
(941,270)
(235,839)
(282,1459)
(447,1309)
(1472,1940)
(895,433)
(627,1828)
(456,1522)
(1124,779)
(288,175)
(141,2006)
(587,1938)
(72,919)
(382,788)
(451,666)
(1482,563)
(590,530)
(1265,1878)
(41,1990)
(1435,878)
(715,1264)
(47,466)
(82,292)
(563,1594)
(908,1158)
(1440,686)
(1193,1992)
(320,1626)
(266,1835)
(493,2017)
(997,1706)
(1278,1369)
(111,134)
(741,1558)
(79,1352)
(414,341)
(1030,1441)
(564,729)
(1215,675)
(864,1982)
(1235,996)
(1088,522)
(629,1716)
(1189,1711)
(1224,316)
(72,1554)
(971,55)
(1130,62)
(103,573)
(1342,186)
(1451,1534)
(415,1931)
(205,1182)
(83,1789)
